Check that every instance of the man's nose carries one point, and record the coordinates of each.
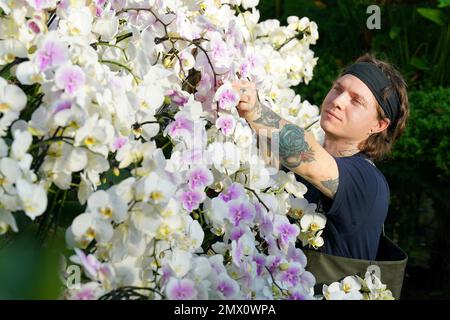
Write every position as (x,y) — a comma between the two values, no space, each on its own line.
(340,101)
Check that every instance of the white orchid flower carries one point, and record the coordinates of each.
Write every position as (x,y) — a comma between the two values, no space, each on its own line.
(107,205)
(333,291)
(313,222)
(300,206)
(288,182)
(33,198)
(155,189)
(7,222)
(12,98)
(225,157)
(106,26)
(350,284)
(87,227)
(10,172)
(180,262)
(10,49)
(21,144)
(96,134)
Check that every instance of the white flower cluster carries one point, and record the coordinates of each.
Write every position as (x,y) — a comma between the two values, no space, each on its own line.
(356,288)
(20,189)
(311,222)
(200,215)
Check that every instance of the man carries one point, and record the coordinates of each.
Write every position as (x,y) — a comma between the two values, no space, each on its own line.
(362,115)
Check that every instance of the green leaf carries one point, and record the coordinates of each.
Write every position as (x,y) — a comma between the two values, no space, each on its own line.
(394,32)
(29,270)
(435,15)
(443,3)
(419,63)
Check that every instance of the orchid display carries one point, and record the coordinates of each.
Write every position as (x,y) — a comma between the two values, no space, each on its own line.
(357,288)
(125,109)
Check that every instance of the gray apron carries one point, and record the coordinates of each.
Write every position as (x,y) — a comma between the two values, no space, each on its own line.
(391,261)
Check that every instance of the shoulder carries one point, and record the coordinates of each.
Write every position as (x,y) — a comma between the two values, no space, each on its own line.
(360,179)
(360,167)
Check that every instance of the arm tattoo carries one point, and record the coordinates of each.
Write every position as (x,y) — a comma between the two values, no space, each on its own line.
(267,117)
(331,185)
(293,148)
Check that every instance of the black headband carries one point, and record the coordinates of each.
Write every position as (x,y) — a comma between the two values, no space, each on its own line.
(377,81)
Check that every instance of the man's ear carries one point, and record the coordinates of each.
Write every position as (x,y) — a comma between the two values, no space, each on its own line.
(380,125)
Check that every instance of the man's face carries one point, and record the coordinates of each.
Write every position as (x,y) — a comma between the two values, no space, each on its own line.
(349,109)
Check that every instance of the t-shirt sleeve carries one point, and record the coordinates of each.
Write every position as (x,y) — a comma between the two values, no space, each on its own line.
(358,188)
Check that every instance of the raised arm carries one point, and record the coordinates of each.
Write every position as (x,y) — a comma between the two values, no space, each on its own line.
(295,147)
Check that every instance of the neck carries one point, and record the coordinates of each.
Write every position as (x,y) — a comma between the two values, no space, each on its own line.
(340,148)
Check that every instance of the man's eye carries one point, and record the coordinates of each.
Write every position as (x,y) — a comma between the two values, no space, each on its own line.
(357,101)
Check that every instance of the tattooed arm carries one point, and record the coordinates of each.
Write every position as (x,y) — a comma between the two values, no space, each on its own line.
(293,147)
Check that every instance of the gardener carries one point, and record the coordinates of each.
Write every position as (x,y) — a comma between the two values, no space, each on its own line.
(362,115)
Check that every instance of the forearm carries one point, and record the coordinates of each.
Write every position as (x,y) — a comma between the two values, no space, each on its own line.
(286,143)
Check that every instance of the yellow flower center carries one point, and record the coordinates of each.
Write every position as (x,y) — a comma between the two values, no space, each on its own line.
(4,106)
(137,132)
(89,141)
(314,227)
(296,213)
(167,212)
(156,195)
(293,111)
(163,231)
(284,266)
(315,243)
(90,233)
(73,124)
(29,207)
(34,131)
(37,78)
(9,57)
(54,153)
(168,62)
(144,104)
(347,288)
(173,34)
(3,228)
(74,3)
(74,31)
(273,95)
(226,162)
(107,212)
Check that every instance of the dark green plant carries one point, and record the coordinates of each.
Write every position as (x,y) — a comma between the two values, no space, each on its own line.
(426,137)
(441,17)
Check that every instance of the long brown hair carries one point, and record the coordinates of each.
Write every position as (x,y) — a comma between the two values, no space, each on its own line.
(378,145)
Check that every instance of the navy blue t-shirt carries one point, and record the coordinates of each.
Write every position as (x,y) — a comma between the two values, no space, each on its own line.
(356,215)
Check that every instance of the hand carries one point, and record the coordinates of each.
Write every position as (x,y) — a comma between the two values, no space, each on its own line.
(248,98)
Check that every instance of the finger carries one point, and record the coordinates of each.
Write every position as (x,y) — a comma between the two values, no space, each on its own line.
(244,106)
(244,83)
(241,90)
(244,98)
